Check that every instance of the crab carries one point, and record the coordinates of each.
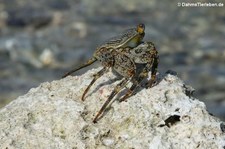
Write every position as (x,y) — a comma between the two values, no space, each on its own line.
(122,54)
(130,38)
(147,55)
(124,61)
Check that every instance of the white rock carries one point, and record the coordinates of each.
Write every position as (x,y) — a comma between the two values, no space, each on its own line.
(52,116)
(47,57)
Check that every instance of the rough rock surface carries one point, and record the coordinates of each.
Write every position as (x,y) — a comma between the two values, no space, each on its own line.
(53,116)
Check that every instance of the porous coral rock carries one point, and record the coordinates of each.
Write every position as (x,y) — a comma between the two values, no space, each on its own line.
(53,116)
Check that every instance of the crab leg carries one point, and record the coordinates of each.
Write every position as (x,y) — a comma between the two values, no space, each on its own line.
(116,90)
(151,65)
(132,88)
(89,62)
(153,72)
(129,92)
(96,76)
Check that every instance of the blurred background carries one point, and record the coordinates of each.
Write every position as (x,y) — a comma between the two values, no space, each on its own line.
(41,40)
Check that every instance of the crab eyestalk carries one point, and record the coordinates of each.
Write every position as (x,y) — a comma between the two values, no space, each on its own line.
(141,28)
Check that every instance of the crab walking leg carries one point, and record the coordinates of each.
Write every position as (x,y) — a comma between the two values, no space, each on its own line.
(133,87)
(136,84)
(96,76)
(129,92)
(153,72)
(89,62)
(116,90)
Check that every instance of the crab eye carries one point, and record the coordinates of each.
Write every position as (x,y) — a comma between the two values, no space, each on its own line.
(141,25)
(140,28)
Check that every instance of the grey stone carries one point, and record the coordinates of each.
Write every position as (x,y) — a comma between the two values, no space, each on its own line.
(53,116)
